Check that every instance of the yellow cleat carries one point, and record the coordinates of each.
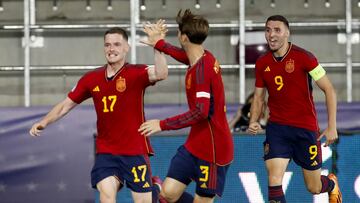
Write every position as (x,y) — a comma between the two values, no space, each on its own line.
(335,195)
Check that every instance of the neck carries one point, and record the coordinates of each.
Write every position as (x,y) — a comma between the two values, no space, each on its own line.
(113,68)
(194,52)
(282,51)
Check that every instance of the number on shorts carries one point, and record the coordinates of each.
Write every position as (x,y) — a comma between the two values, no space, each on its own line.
(313,151)
(142,170)
(205,171)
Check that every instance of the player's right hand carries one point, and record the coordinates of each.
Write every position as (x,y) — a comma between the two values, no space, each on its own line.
(155,32)
(254,128)
(36,129)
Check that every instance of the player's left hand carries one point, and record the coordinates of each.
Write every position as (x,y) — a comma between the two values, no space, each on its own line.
(330,134)
(150,127)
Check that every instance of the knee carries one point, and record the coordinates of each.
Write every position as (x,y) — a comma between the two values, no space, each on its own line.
(169,197)
(314,189)
(107,198)
(275,180)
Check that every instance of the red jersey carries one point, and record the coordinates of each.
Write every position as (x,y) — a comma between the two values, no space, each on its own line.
(289,86)
(119,108)
(210,138)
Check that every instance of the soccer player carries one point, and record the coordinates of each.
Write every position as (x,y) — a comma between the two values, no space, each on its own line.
(117,90)
(286,72)
(208,151)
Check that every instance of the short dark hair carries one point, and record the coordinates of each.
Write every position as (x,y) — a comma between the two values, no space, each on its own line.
(117,30)
(279,18)
(195,27)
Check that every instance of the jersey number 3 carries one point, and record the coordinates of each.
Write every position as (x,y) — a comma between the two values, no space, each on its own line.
(109,100)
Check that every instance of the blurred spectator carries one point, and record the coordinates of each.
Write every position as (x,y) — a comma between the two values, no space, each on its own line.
(240,121)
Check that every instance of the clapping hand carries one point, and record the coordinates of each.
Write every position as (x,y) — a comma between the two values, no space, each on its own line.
(155,32)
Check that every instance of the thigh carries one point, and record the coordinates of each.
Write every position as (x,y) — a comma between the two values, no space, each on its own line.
(201,199)
(140,197)
(278,142)
(109,186)
(210,179)
(182,167)
(105,166)
(172,189)
(307,150)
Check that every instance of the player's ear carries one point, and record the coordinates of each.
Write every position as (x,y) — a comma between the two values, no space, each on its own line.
(127,47)
(287,32)
(184,38)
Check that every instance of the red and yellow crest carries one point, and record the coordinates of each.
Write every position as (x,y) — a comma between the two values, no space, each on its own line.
(188,82)
(216,67)
(121,84)
(290,66)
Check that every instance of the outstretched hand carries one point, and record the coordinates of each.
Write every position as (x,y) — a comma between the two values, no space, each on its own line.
(150,127)
(155,32)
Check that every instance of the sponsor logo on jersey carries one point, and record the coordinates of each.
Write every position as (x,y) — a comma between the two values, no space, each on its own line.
(96,89)
(290,66)
(121,84)
(216,67)
(267,69)
(188,82)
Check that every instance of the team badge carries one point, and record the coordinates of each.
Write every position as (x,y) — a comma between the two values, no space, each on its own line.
(290,66)
(120,84)
(216,67)
(266,148)
(188,82)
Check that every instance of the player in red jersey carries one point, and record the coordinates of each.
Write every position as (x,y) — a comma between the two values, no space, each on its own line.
(208,150)
(286,72)
(117,90)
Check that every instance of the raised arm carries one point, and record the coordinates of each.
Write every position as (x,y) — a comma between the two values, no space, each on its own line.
(160,69)
(154,33)
(155,38)
(57,112)
(175,52)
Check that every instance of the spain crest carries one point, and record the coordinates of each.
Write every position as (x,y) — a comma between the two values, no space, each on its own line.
(216,66)
(290,66)
(121,84)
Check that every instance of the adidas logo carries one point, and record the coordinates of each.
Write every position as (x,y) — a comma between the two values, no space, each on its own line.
(146,185)
(267,69)
(96,89)
(203,185)
(315,163)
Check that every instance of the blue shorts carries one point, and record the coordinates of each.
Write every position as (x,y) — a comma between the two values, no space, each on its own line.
(209,178)
(301,145)
(134,171)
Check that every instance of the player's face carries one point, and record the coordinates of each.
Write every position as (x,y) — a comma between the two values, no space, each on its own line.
(115,48)
(277,35)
